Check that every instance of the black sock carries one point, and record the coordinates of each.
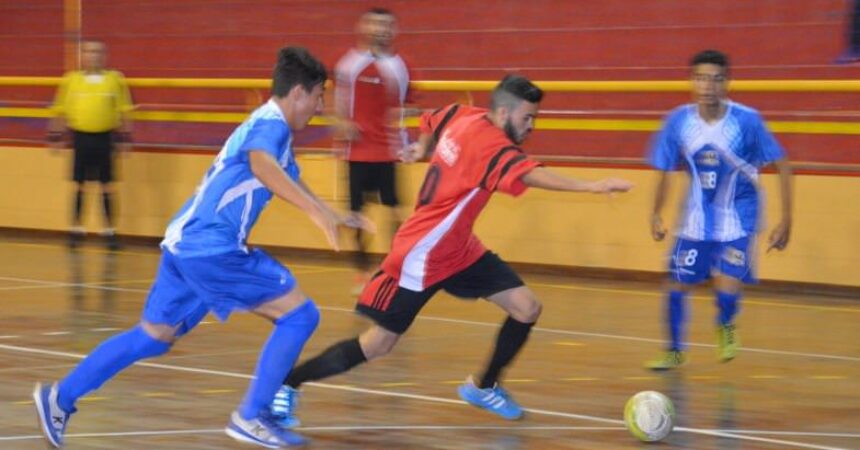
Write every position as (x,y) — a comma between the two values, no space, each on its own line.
(510,340)
(336,359)
(106,203)
(362,259)
(79,206)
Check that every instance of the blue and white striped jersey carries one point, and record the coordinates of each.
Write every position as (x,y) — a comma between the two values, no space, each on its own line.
(227,203)
(723,159)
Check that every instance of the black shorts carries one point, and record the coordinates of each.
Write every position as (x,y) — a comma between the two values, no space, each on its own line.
(371,177)
(394,308)
(93,159)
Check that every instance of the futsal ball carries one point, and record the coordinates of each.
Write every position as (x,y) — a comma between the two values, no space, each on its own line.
(649,416)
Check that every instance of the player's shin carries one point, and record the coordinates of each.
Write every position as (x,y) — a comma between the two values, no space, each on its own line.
(279,354)
(334,360)
(512,336)
(108,359)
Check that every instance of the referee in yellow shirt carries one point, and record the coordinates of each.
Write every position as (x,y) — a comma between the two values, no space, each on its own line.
(94,105)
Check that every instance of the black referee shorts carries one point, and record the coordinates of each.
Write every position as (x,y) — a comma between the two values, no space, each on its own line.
(371,177)
(93,160)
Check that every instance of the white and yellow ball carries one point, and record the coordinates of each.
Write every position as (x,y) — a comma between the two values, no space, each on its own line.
(649,415)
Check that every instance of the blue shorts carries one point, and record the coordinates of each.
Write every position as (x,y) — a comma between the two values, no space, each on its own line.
(693,261)
(186,289)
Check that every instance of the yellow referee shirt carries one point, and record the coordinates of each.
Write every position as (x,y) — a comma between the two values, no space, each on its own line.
(92,103)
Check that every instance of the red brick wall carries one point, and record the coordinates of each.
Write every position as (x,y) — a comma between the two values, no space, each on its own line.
(465,39)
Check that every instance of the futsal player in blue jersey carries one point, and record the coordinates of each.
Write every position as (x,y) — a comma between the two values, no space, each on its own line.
(722,145)
(206,265)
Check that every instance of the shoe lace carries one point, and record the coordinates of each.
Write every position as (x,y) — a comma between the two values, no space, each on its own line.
(497,392)
(286,400)
(729,334)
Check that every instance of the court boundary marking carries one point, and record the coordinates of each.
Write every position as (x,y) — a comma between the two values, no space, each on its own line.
(544,412)
(484,324)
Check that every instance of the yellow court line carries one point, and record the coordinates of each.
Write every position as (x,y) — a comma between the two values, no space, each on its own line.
(580,379)
(641,378)
(216,391)
(640,125)
(828,377)
(649,85)
(704,377)
(314,271)
(485,85)
(93,399)
(157,394)
(397,384)
(766,377)
(569,343)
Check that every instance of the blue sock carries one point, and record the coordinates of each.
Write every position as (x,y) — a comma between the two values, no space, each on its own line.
(676,315)
(278,357)
(105,361)
(728,306)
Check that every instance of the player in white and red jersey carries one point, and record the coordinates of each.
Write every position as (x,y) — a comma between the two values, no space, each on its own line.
(475,153)
(371,89)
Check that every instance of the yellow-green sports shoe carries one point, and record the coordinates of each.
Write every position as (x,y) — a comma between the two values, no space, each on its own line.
(727,343)
(670,359)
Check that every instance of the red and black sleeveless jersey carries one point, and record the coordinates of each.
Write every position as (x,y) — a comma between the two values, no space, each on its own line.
(472,159)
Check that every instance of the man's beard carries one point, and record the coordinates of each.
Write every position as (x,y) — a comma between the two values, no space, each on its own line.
(511,133)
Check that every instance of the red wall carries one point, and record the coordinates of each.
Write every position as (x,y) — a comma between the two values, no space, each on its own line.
(463,39)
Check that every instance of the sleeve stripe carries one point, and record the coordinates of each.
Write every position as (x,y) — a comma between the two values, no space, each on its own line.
(442,123)
(507,167)
(495,161)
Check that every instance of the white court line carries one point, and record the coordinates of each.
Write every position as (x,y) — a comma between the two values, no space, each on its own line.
(730,435)
(402,427)
(322,429)
(21,288)
(495,325)
(793,433)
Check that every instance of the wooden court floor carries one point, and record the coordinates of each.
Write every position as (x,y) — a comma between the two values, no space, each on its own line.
(796,384)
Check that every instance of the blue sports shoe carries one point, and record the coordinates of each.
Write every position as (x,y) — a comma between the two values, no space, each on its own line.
(262,431)
(284,407)
(495,399)
(52,418)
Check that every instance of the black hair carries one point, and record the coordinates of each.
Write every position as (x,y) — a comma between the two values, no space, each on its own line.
(514,89)
(715,57)
(296,66)
(380,11)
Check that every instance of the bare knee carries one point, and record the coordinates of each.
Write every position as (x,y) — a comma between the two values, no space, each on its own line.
(520,303)
(160,332)
(528,310)
(377,342)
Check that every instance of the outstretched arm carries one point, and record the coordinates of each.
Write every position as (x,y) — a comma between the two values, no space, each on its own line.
(543,178)
(780,235)
(658,230)
(270,173)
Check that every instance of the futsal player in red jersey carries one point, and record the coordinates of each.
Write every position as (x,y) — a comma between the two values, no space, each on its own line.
(475,152)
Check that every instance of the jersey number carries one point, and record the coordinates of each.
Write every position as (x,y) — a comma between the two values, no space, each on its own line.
(428,188)
(709,179)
